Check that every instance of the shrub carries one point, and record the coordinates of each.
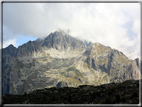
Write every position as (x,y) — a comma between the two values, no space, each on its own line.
(118,98)
(108,101)
(124,99)
(135,94)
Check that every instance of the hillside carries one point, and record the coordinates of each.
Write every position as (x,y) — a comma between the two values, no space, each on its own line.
(126,92)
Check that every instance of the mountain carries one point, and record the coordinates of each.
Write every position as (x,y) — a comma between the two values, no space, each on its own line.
(61,60)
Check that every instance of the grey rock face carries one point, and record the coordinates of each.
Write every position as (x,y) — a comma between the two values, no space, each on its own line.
(62,84)
(28,49)
(59,41)
(112,62)
(137,62)
(9,50)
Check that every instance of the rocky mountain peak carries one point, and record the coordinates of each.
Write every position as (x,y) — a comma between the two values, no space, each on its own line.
(60,40)
(60,32)
(11,46)
(9,50)
(97,44)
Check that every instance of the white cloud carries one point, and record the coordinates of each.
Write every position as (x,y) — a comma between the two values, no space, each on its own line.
(104,22)
(136,26)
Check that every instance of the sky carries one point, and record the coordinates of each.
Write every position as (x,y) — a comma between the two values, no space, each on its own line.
(112,24)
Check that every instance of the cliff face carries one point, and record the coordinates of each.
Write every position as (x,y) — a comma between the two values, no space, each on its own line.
(61,60)
(28,49)
(111,61)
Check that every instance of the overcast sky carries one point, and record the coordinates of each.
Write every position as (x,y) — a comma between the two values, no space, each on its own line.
(112,24)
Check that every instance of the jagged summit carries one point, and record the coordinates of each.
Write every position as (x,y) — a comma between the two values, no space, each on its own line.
(11,46)
(97,44)
(9,50)
(59,40)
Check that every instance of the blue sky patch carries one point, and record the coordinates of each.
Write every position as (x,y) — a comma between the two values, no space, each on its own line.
(24,39)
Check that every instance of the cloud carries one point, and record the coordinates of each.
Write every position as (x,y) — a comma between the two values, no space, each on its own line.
(113,24)
(136,26)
